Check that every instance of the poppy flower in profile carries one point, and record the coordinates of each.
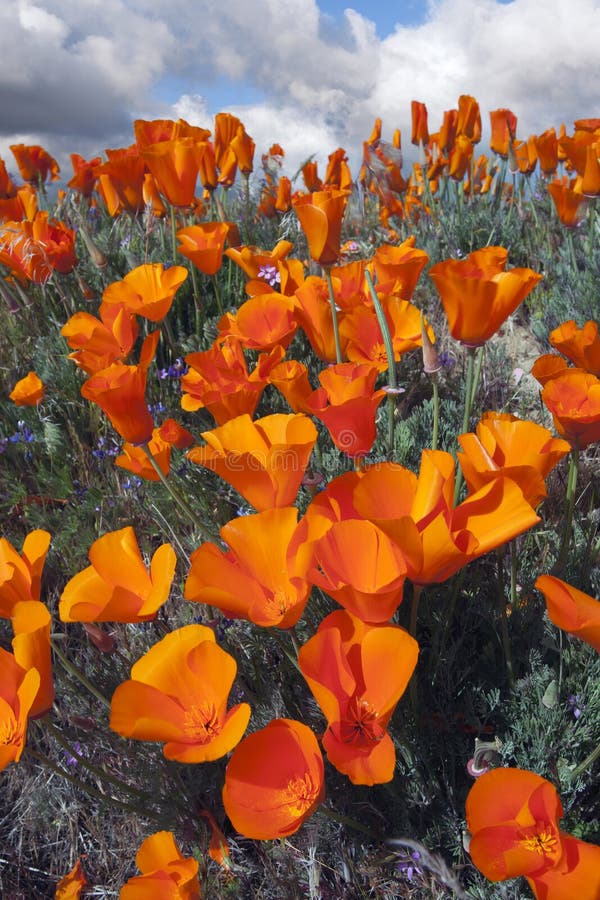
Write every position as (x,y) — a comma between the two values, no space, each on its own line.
(166,873)
(361,331)
(313,312)
(549,366)
(347,403)
(264,460)
(148,290)
(478,293)
(134,459)
(31,622)
(401,265)
(97,343)
(71,885)
(573,398)
(258,578)
(357,674)
(508,446)
(121,181)
(320,215)
(21,573)
(120,391)
(418,514)
(204,244)
(571,609)
(18,690)
(118,587)
(580,345)
(504,128)
(177,695)
(358,565)
(420,131)
(274,780)
(547,151)
(29,391)
(174,165)
(84,177)
(262,322)
(35,164)
(569,201)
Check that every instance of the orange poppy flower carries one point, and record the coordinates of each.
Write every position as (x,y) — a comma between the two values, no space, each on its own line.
(243,147)
(18,690)
(400,264)
(547,151)
(573,398)
(263,460)
(361,331)
(274,780)
(420,131)
(262,322)
(478,294)
(71,885)
(468,121)
(121,181)
(512,816)
(156,130)
(549,366)
(21,573)
(290,377)
(358,565)
(152,198)
(437,538)
(178,694)
(134,459)
(166,873)
(310,176)
(320,215)
(505,445)
(357,674)
(504,128)
(580,345)
(569,202)
(120,391)
(35,164)
(31,622)
(258,578)
(29,391)
(283,200)
(203,245)
(84,177)
(313,312)
(218,379)
(35,249)
(175,164)
(347,403)
(148,290)
(253,260)
(571,609)
(460,157)
(590,183)
(118,587)
(97,343)
(175,434)
(8,188)
(576,875)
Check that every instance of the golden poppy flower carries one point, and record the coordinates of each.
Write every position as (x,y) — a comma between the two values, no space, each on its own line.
(166,873)
(357,674)
(478,294)
(71,885)
(29,391)
(262,322)
(504,128)
(569,201)
(573,398)
(177,695)
(274,780)
(21,573)
(18,690)
(320,215)
(31,622)
(571,609)
(148,290)
(134,459)
(35,164)
(118,587)
(580,345)
(97,343)
(175,164)
(204,244)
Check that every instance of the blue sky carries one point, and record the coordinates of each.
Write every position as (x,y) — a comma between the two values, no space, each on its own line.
(311,75)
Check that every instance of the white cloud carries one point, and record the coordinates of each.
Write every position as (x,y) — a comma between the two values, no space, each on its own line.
(74,76)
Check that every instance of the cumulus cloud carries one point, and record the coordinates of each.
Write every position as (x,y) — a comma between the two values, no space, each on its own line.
(74,76)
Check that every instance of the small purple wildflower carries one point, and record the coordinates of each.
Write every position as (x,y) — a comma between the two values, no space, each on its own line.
(408,867)
(270,275)
(576,705)
(71,760)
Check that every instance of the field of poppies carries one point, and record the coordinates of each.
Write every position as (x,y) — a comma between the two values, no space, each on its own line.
(300,509)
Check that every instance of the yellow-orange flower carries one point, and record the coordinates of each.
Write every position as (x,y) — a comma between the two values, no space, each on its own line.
(71,885)
(18,690)
(118,587)
(274,780)
(120,391)
(178,694)
(573,398)
(580,345)
(320,215)
(571,609)
(166,873)
(29,391)
(31,647)
(478,294)
(21,573)
(148,290)
(204,244)
(35,164)
(357,674)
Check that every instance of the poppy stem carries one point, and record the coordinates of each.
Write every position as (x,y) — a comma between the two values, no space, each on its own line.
(217,294)
(346,820)
(504,620)
(513,574)
(173,233)
(389,352)
(470,393)
(570,498)
(436,411)
(179,500)
(578,770)
(73,670)
(334,320)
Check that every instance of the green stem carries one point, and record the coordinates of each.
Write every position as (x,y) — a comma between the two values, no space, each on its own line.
(389,352)
(73,670)
(578,770)
(470,393)
(179,500)
(217,291)
(334,320)
(504,620)
(173,233)
(346,820)
(294,639)
(571,247)
(568,524)
(436,411)
(513,574)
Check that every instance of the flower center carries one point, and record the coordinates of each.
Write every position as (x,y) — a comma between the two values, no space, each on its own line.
(9,731)
(360,725)
(201,723)
(543,842)
(300,794)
